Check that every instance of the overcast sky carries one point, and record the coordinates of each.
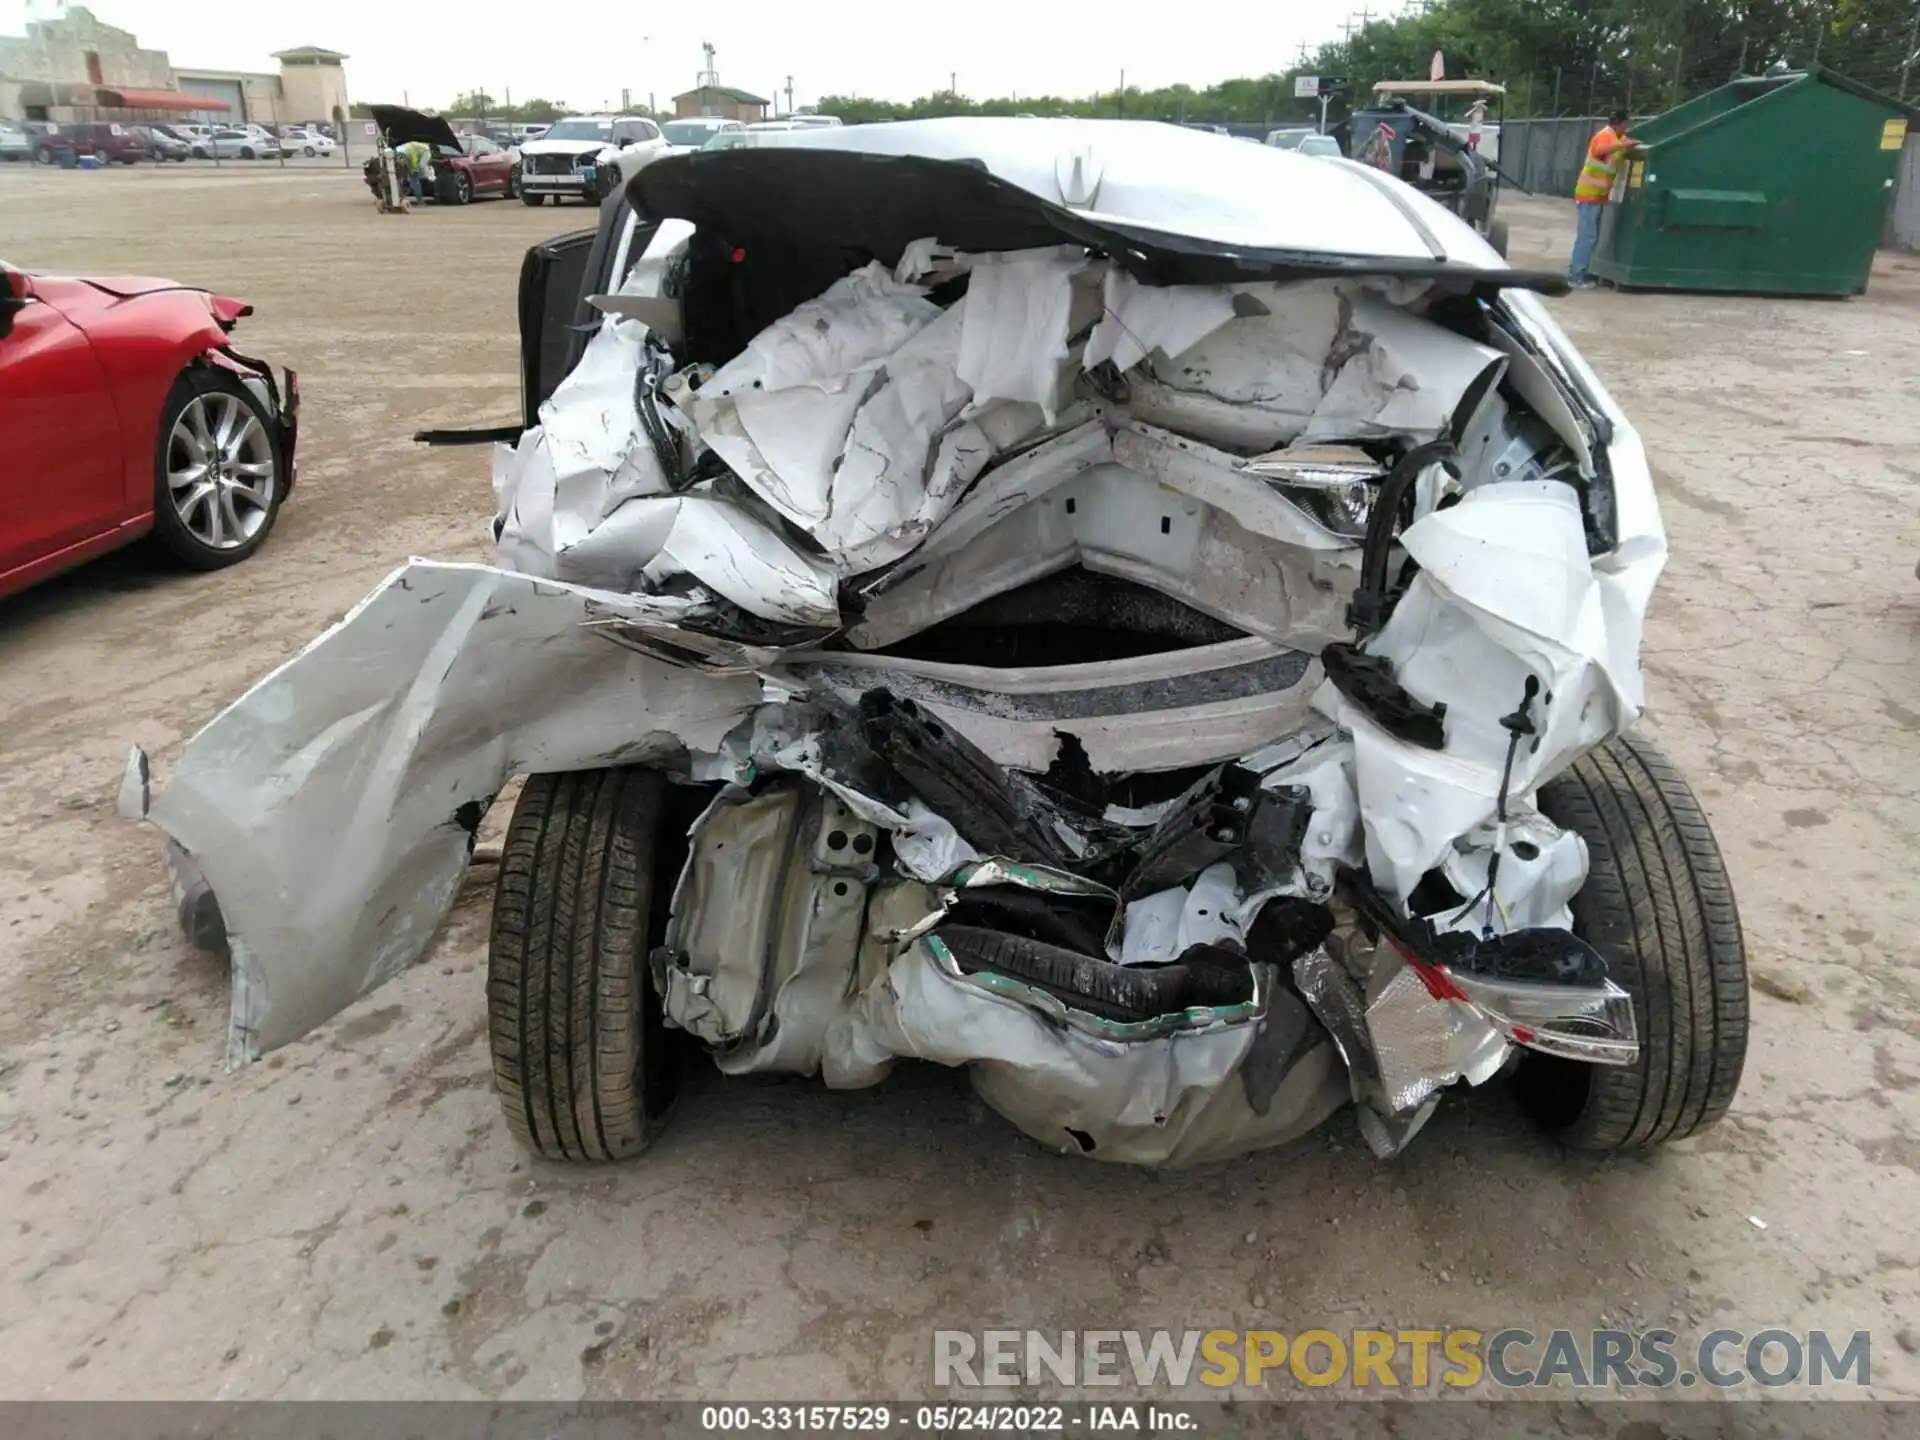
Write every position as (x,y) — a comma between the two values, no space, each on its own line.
(584,51)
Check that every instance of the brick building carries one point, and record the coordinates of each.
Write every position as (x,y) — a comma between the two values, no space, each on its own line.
(721,100)
(74,67)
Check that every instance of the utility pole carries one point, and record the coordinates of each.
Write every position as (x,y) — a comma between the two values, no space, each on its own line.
(953,82)
(789,95)
(1120,97)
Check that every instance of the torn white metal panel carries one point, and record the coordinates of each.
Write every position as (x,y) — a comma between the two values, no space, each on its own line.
(745,560)
(1013,345)
(849,327)
(1332,837)
(333,805)
(1140,320)
(1505,593)
(1511,562)
(1150,934)
(885,494)
(1174,1099)
(1542,868)
(1221,481)
(1412,801)
(1006,488)
(589,420)
(1401,373)
(785,444)
(965,449)
(555,488)
(1112,520)
(1211,912)
(1325,361)
(1253,383)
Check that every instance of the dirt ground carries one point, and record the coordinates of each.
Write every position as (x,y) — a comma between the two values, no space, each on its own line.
(350,1218)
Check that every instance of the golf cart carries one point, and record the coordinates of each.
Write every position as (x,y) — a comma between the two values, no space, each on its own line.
(1455,160)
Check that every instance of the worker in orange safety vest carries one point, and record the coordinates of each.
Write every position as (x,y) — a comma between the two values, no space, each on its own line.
(1590,193)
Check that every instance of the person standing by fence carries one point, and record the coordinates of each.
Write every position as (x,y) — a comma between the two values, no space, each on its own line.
(1590,193)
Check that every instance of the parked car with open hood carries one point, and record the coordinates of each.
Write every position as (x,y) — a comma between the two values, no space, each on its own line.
(196,446)
(1152,622)
(464,168)
(588,156)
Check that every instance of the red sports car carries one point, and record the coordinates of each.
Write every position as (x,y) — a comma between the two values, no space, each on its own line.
(123,411)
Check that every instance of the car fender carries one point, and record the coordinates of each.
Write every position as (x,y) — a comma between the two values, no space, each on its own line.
(143,342)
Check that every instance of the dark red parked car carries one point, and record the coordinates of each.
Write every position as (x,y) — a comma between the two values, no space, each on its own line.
(124,410)
(464,166)
(110,141)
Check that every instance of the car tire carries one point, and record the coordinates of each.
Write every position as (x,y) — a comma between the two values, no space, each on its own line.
(527,198)
(580,1056)
(1657,904)
(1497,238)
(246,153)
(308,152)
(44,155)
(458,190)
(513,182)
(181,523)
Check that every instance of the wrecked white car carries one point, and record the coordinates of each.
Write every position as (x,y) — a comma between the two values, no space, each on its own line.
(1153,623)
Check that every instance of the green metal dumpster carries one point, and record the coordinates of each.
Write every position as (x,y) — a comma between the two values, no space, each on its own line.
(1773,185)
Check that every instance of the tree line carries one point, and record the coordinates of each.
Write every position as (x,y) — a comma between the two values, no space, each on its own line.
(1570,57)
(1555,57)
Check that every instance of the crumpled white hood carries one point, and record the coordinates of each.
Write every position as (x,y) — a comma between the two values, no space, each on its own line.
(1176,181)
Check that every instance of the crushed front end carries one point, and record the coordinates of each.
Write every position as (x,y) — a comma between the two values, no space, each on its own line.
(1129,682)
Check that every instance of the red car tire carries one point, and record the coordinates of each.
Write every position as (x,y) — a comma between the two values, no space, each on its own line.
(218,473)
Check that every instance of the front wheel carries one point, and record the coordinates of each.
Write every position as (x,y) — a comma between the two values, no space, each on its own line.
(219,475)
(308,152)
(1658,905)
(528,198)
(246,154)
(44,155)
(513,182)
(459,189)
(580,1058)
